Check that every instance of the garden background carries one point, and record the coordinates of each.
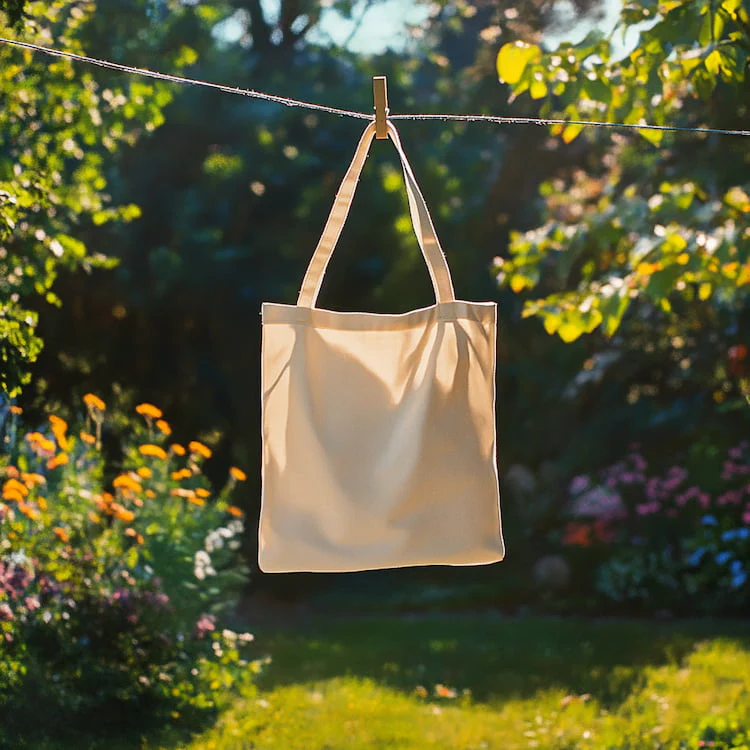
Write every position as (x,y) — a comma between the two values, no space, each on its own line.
(143,223)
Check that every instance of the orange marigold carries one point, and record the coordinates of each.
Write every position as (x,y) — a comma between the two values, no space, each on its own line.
(61,534)
(42,503)
(237,474)
(87,437)
(31,513)
(182,492)
(177,449)
(94,517)
(164,426)
(16,410)
(202,492)
(32,480)
(233,510)
(12,471)
(199,448)
(153,450)
(94,402)
(121,513)
(126,482)
(150,494)
(59,430)
(181,474)
(12,494)
(149,410)
(12,485)
(199,501)
(144,472)
(59,460)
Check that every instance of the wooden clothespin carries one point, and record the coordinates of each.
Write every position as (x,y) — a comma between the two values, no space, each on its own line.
(380,92)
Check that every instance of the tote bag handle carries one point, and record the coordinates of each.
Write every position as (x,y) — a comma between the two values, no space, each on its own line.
(423,228)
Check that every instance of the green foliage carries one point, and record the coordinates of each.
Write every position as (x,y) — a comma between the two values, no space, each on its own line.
(664,224)
(58,129)
(115,587)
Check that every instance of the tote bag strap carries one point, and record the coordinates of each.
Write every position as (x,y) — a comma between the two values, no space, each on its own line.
(423,228)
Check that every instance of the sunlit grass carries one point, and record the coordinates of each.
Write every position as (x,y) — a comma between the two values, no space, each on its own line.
(519,683)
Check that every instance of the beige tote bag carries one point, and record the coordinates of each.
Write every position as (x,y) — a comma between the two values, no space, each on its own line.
(378,430)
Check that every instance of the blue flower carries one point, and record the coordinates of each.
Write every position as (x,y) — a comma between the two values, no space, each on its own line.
(743,533)
(723,557)
(696,557)
(709,521)
(727,536)
(736,567)
(739,580)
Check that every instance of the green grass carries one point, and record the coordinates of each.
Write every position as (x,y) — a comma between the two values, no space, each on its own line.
(519,683)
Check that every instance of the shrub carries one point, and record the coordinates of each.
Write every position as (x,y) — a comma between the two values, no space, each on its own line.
(662,539)
(112,591)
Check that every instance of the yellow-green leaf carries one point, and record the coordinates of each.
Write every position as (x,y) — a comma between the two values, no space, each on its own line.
(652,136)
(570,133)
(538,89)
(513,59)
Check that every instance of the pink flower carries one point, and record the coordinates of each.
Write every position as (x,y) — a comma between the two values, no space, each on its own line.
(646,509)
(746,517)
(735,452)
(32,603)
(733,496)
(704,499)
(579,484)
(639,462)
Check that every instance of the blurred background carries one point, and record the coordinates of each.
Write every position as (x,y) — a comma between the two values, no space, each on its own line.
(143,223)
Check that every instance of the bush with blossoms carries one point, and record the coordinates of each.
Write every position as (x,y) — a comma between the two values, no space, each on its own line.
(675,539)
(116,583)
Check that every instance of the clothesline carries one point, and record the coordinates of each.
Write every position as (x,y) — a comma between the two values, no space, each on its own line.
(289,102)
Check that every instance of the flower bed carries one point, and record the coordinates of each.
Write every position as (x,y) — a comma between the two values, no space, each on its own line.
(115,585)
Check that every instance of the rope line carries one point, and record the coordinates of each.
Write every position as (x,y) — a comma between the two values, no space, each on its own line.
(289,102)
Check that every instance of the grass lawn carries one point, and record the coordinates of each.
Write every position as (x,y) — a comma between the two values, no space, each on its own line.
(468,682)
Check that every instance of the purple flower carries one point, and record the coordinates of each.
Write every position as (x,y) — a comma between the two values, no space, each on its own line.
(579,484)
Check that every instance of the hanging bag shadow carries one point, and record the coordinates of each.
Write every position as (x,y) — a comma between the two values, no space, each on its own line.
(378,430)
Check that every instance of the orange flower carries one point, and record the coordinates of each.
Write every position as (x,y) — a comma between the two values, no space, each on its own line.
(177,449)
(87,437)
(233,510)
(164,426)
(130,531)
(13,485)
(126,482)
(59,430)
(201,492)
(181,474)
(59,460)
(153,450)
(42,503)
(104,502)
(16,410)
(12,494)
(144,472)
(12,471)
(199,501)
(149,410)
(182,492)
(94,402)
(94,517)
(199,448)
(61,534)
(238,474)
(121,513)
(137,502)
(577,534)
(30,513)
(32,480)
(151,494)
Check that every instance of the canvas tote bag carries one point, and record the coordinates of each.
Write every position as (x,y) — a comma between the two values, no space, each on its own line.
(378,430)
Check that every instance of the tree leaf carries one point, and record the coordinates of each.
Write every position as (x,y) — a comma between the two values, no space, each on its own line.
(513,59)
